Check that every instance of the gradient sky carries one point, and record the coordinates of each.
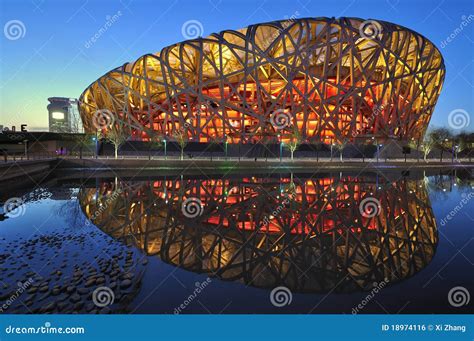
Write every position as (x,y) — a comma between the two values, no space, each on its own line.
(52,58)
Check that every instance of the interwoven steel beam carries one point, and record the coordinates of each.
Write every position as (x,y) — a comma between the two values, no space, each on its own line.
(332,79)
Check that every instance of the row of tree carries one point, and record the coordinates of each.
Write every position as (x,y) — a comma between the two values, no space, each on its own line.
(440,138)
(445,141)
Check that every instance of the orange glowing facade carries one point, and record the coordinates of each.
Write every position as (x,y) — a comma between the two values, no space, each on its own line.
(331,79)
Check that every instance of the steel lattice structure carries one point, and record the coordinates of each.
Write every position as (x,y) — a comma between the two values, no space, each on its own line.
(334,79)
(317,241)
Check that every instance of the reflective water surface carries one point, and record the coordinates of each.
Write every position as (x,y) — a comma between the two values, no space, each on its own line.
(331,240)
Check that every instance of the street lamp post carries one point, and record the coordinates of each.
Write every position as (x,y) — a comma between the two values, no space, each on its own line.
(240,144)
(279,139)
(26,149)
(96,139)
(373,138)
(281,150)
(332,144)
(95,144)
(226,142)
(164,141)
(417,150)
(442,150)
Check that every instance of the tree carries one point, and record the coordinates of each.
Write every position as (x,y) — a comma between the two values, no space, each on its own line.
(427,145)
(182,140)
(441,137)
(266,141)
(462,142)
(84,141)
(340,147)
(295,141)
(117,135)
(156,142)
(213,145)
(318,146)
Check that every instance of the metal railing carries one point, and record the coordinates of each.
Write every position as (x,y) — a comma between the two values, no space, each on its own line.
(273,160)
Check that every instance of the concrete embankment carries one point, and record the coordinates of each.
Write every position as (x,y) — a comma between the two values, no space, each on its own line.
(175,164)
(143,167)
(25,173)
(35,170)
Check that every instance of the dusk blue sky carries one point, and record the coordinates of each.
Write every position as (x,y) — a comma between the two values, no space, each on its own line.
(54,59)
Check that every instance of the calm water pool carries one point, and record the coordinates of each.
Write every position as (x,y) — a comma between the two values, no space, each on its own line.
(280,243)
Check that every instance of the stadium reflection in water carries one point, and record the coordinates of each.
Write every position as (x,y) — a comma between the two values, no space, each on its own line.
(339,233)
